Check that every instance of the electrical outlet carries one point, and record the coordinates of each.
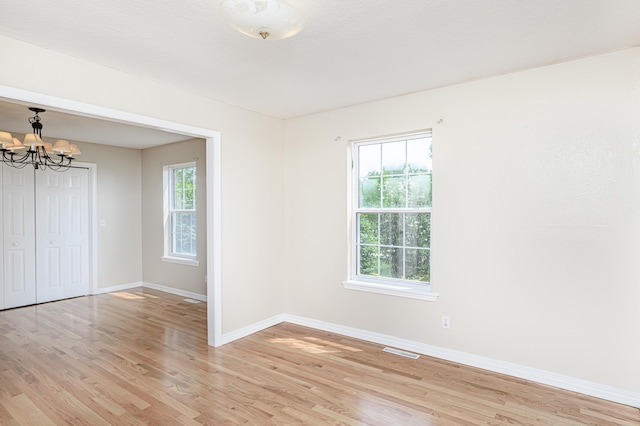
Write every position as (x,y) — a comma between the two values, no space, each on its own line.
(445,322)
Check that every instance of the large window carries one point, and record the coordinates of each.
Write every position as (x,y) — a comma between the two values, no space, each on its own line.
(180,211)
(391,213)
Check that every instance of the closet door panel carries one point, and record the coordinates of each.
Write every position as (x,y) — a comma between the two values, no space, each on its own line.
(50,236)
(19,237)
(76,195)
(63,234)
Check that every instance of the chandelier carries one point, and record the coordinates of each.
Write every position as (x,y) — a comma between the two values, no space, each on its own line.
(42,155)
(274,19)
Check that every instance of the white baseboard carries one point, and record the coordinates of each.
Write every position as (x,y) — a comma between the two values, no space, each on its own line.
(118,288)
(177,292)
(252,328)
(533,374)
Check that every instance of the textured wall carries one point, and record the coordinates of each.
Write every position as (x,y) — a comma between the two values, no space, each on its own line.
(536,218)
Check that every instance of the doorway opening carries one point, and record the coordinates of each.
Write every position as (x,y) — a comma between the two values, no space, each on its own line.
(213,187)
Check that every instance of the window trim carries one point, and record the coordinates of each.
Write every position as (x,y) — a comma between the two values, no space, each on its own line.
(168,255)
(386,286)
(180,260)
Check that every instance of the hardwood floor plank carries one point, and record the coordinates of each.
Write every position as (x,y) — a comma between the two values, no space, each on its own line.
(141,357)
(24,411)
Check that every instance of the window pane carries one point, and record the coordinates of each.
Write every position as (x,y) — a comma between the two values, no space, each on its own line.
(391,229)
(393,192)
(189,185)
(419,191)
(368,228)
(369,160)
(394,157)
(178,199)
(188,199)
(189,176)
(177,176)
(391,262)
(417,265)
(419,155)
(418,230)
(367,260)
(184,187)
(369,192)
(183,225)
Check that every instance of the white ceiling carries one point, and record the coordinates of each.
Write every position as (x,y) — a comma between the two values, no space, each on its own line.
(349,52)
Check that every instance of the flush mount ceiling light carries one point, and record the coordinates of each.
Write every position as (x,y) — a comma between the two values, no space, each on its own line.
(272,19)
(42,155)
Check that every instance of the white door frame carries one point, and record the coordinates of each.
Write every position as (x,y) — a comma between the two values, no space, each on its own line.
(212,137)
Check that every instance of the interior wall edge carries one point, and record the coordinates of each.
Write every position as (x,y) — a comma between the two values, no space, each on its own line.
(121,287)
(175,291)
(253,328)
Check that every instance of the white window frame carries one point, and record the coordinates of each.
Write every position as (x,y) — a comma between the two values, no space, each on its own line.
(379,285)
(168,188)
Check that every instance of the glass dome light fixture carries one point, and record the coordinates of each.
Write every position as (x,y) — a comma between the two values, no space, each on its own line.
(42,155)
(262,19)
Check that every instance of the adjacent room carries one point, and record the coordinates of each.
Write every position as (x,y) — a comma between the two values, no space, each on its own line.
(296,212)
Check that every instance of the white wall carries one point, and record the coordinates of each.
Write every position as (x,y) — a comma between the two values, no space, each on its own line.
(189,278)
(251,175)
(119,205)
(536,218)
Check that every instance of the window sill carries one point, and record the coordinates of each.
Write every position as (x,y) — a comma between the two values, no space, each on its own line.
(180,260)
(400,290)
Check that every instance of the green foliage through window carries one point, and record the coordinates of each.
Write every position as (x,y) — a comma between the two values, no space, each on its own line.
(393,215)
(183,211)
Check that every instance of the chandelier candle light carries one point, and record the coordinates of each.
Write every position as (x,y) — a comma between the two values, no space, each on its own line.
(40,154)
(262,19)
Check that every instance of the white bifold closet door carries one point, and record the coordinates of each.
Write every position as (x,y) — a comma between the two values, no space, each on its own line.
(19,240)
(62,227)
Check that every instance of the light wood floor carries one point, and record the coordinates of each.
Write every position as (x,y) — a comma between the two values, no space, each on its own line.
(141,357)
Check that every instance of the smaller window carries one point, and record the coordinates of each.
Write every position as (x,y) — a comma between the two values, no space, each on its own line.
(180,212)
